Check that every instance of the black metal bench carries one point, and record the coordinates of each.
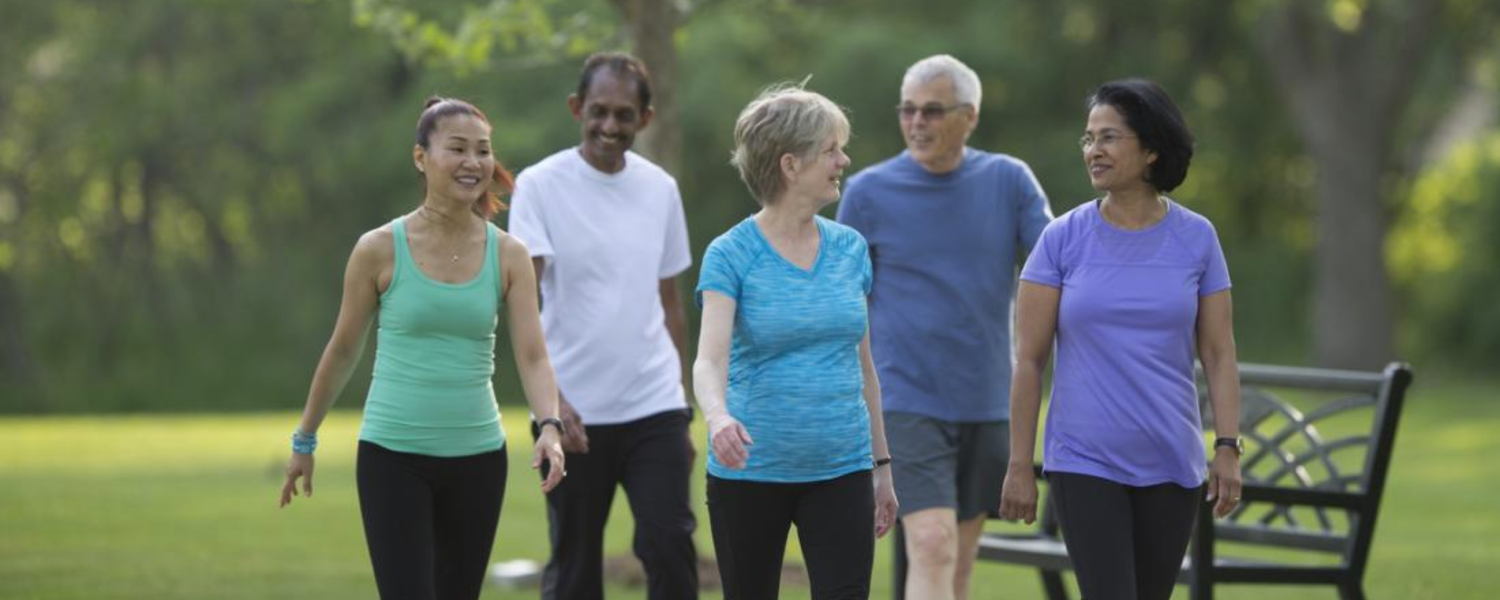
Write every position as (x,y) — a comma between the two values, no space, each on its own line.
(1314,477)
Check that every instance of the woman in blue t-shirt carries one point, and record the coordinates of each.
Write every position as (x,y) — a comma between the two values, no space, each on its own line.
(1131,286)
(784,374)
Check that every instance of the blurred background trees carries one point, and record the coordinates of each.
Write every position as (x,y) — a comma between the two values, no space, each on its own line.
(181,180)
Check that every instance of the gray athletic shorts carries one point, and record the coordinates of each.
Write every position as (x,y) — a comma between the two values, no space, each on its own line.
(944,464)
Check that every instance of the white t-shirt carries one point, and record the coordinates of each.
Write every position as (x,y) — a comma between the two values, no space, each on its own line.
(607,241)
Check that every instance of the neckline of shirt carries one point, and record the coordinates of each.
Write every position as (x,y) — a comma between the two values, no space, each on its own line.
(1097,208)
(590,172)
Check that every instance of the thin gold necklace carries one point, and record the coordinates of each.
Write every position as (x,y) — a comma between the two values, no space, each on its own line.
(422,210)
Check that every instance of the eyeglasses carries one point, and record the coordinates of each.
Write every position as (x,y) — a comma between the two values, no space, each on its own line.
(930,112)
(1108,140)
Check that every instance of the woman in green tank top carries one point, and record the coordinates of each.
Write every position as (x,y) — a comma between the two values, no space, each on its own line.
(431,464)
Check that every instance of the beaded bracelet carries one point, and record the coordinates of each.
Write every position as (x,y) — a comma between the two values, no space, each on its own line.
(304,443)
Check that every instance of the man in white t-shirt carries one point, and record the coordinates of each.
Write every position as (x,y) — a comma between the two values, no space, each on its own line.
(606,231)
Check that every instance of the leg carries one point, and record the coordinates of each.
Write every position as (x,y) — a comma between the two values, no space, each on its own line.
(836,527)
(750,521)
(395,502)
(472,490)
(924,454)
(577,510)
(931,553)
(1096,524)
(983,456)
(658,468)
(1167,511)
(968,551)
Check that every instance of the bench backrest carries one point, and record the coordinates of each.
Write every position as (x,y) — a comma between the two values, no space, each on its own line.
(1340,439)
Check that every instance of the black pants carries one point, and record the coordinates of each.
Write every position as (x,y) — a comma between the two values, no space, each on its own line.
(835,522)
(653,459)
(429,521)
(1126,542)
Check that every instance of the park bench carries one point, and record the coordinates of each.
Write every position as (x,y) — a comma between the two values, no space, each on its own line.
(1317,452)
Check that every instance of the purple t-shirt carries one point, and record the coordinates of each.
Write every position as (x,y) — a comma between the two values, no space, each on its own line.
(1124,404)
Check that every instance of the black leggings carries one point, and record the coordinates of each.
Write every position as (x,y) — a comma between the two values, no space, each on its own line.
(429,521)
(835,522)
(1126,542)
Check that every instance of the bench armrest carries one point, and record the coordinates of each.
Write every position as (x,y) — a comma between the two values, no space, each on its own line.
(1254,492)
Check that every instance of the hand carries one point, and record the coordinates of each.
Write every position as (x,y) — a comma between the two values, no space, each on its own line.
(300,465)
(730,441)
(886,506)
(574,438)
(549,448)
(1224,482)
(1018,494)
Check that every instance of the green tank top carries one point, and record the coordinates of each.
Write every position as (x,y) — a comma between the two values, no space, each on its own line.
(434,357)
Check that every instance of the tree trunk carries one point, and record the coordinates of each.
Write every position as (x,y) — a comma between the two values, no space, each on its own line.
(652,26)
(1348,92)
(15,357)
(1353,321)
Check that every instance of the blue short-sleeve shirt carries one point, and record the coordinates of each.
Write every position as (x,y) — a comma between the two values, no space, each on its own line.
(795,380)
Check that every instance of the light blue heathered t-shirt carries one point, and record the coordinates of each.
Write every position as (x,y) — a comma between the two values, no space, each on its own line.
(795,380)
(945,249)
(1124,404)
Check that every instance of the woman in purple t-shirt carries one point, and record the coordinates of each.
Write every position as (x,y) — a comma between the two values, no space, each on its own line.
(1132,286)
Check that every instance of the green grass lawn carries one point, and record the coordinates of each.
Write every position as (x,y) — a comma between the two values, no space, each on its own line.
(184,506)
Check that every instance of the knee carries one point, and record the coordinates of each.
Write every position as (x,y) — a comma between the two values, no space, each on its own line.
(932,544)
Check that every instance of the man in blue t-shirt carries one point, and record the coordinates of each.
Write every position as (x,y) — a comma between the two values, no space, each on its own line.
(947,226)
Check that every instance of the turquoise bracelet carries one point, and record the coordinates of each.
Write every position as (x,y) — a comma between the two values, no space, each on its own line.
(304,443)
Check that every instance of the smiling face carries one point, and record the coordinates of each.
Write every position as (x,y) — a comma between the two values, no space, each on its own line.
(610,115)
(1115,159)
(936,143)
(821,174)
(457,162)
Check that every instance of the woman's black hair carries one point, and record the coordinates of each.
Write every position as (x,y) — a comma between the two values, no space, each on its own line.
(1157,123)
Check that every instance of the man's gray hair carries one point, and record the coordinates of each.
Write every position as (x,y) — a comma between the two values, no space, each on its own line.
(785,119)
(965,81)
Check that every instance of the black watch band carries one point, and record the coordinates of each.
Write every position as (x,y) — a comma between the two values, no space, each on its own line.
(553,421)
(1233,443)
(881,462)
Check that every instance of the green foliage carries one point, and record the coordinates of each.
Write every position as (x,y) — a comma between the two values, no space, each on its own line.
(181,181)
(1445,257)
(467,40)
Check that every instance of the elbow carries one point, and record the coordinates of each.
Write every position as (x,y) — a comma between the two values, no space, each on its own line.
(1217,356)
(1029,365)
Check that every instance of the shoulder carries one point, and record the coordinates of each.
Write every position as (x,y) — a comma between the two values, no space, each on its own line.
(1193,228)
(1188,220)
(555,165)
(510,247)
(1073,223)
(842,237)
(881,171)
(642,167)
(999,164)
(738,242)
(374,251)
(376,243)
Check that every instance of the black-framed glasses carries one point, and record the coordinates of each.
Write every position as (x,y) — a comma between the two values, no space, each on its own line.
(1108,140)
(930,112)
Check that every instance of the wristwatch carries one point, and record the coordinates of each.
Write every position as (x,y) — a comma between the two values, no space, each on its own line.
(553,421)
(1234,443)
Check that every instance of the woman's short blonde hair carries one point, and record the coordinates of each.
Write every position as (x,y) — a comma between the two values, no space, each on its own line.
(784,119)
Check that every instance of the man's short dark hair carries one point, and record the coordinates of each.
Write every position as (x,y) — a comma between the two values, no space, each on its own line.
(622,65)
(1157,123)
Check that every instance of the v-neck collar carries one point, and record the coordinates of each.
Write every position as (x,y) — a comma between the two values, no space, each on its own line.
(817,259)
